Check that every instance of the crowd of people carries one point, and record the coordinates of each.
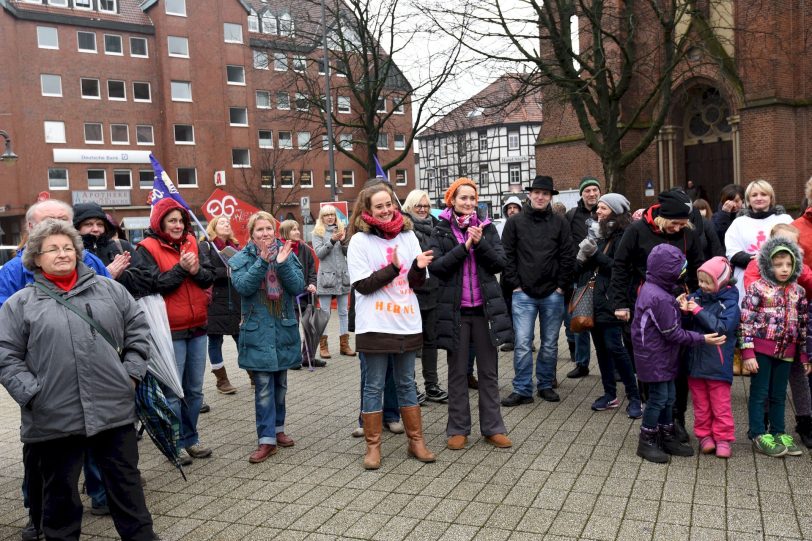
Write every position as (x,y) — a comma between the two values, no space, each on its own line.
(680,298)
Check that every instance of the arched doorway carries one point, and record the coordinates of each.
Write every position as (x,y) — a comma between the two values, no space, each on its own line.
(708,140)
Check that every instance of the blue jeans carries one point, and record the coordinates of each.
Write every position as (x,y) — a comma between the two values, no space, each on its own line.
(342,303)
(768,387)
(550,312)
(659,407)
(403,374)
(269,403)
(581,340)
(612,354)
(216,349)
(391,413)
(190,359)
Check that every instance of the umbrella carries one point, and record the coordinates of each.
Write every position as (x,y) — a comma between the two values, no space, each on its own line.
(313,323)
(161,363)
(158,419)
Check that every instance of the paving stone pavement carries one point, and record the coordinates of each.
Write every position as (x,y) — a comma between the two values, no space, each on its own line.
(572,474)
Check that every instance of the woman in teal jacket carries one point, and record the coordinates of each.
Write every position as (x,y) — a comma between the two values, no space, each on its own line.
(268,276)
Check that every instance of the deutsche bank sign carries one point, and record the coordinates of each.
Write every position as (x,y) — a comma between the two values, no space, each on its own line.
(82,155)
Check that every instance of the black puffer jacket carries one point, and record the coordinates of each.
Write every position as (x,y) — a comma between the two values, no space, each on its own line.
(224,309)
(602,263)
(447,266)
(577,218)
(426,295)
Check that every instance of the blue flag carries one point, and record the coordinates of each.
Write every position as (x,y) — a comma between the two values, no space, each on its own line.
(163,186)
(379,172)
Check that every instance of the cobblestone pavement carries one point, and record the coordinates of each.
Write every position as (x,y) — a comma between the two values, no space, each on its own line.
(571,474)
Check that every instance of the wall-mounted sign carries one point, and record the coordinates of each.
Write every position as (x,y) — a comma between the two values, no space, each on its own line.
(105,198)
(219,178)
(514,159)
(89,155)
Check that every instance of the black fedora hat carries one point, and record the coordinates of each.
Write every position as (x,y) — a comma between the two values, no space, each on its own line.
(542,182)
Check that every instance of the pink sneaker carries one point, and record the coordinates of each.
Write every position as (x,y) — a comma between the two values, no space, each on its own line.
(707,445)
(723,449)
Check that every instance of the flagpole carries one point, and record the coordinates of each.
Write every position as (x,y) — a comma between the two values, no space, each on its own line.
(329,104)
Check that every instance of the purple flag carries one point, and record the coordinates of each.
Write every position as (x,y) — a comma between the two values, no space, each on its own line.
(379,172)
(163,186)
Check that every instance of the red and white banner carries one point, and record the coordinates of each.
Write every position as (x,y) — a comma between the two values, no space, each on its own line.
(238,211)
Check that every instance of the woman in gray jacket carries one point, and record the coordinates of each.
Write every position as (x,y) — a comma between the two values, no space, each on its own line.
(75,390)
(330,243)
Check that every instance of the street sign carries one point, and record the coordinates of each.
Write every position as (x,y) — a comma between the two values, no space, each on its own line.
(304,202)
(219,178)
(649,188)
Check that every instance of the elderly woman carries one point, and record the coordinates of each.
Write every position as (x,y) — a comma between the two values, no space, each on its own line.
(268,276)
(75,388)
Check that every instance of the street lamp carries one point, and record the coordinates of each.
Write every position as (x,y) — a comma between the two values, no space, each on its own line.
(8,155)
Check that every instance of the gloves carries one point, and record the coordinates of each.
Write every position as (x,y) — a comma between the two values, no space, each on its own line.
(586,249)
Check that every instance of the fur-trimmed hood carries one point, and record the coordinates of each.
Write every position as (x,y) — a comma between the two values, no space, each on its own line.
(772,247)
(362,227)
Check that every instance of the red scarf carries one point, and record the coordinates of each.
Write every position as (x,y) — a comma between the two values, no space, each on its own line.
(220,244)
(295,247)
(390,229)
(66,282)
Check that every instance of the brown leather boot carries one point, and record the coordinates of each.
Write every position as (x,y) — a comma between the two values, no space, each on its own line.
(223,385)
(324,351)
(373,426)
(414,431)
(344,341)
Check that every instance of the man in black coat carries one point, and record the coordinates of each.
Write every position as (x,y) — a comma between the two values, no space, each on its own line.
(540,268)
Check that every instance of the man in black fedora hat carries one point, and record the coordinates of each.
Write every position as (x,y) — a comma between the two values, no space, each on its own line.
(540,267)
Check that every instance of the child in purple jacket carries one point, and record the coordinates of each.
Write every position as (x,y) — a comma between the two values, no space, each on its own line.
(657,335)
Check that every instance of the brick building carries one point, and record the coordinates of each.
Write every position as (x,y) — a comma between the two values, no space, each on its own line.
(88,88)
(741,108)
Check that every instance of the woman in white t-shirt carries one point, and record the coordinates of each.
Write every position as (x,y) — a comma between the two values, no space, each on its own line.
(385,264)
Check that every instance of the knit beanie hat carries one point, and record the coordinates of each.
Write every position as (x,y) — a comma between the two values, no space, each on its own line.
(618,203)
(675,205)
(586,182)
(719,271)
(452,190)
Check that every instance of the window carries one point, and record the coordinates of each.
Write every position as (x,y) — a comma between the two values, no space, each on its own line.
(341,68)
(94,135)
(82,4)
(449,147)
(122,179)
(280,62)
(260,60)
(483,141)
(321,64)
(57,178)
(513,140)
(301,102)
(263,99)
(383,140)
(269,23)
(141,92)
(484,175)
(399,107)
(119,134)
(240,158)
(51,85)
(325,142)
(306,179)
(443,149)
(184,134)
(286,178)
(299,64)
(303,140)
(443,180)
(116,91)
(238,116)
(380,107)
(144,135)
(138,47)
(96,179)
(232,32)
(347,179)
(285,139)
(47,37)
(345,141)
(90,88)
(86,42)
(344,104)
(181,90)
(282,100)
(146,178)
(62,3)
(430,179)
(108,6)
(285,25)
(327,182)
(178,46)
(253,21)
(266,178)
(401,177)
(265,139)
(187,176)
(175,7)
(54,131)
(235,75)
(400,141)
(515,173)
(113,45)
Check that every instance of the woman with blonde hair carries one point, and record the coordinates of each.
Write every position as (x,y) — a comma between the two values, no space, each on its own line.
(330,242)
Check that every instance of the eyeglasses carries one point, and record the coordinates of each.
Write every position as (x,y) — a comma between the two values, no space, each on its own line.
(327,215)
(67,250)
(422,207)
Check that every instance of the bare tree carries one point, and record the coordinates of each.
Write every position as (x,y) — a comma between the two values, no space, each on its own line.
(613,63)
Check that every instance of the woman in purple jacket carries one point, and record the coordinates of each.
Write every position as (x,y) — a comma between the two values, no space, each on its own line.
(657,335)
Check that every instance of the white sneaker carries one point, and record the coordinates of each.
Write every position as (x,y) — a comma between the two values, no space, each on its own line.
(395,428)
(358,432)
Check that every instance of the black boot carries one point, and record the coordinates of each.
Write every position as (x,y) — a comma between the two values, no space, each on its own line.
(804,429)
(648,446)
(679,430)
(671,443)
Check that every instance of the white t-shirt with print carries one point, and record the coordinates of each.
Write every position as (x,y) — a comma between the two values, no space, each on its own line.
(393,309)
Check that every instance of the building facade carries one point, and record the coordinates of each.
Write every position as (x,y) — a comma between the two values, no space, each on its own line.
(490,138)
(91,87)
